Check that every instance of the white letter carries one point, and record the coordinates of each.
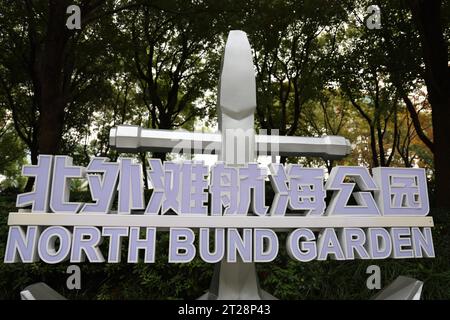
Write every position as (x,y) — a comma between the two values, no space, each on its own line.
(268,255)
(181,239)
(24,245)
(82,248)
(307,250)
(328,243)
(147,244)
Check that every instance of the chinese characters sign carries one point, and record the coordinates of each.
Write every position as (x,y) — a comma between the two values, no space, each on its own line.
(352,214)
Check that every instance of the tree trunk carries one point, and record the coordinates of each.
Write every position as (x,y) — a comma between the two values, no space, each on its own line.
(51,76)
(373,146)
(143,157)
(427,17)
(34,160)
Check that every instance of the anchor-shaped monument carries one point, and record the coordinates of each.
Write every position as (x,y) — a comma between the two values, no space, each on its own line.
(236,144)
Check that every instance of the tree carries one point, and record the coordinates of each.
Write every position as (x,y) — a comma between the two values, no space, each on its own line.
(415,36)
(173,61)
(12,155)
(428,17)
(410,146)
(46,67)
(331,113)
(291,53)
(363,77)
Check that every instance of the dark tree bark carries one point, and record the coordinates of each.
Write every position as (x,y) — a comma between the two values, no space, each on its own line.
(143,157)
(51,75)
(427,17)
(416,122)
